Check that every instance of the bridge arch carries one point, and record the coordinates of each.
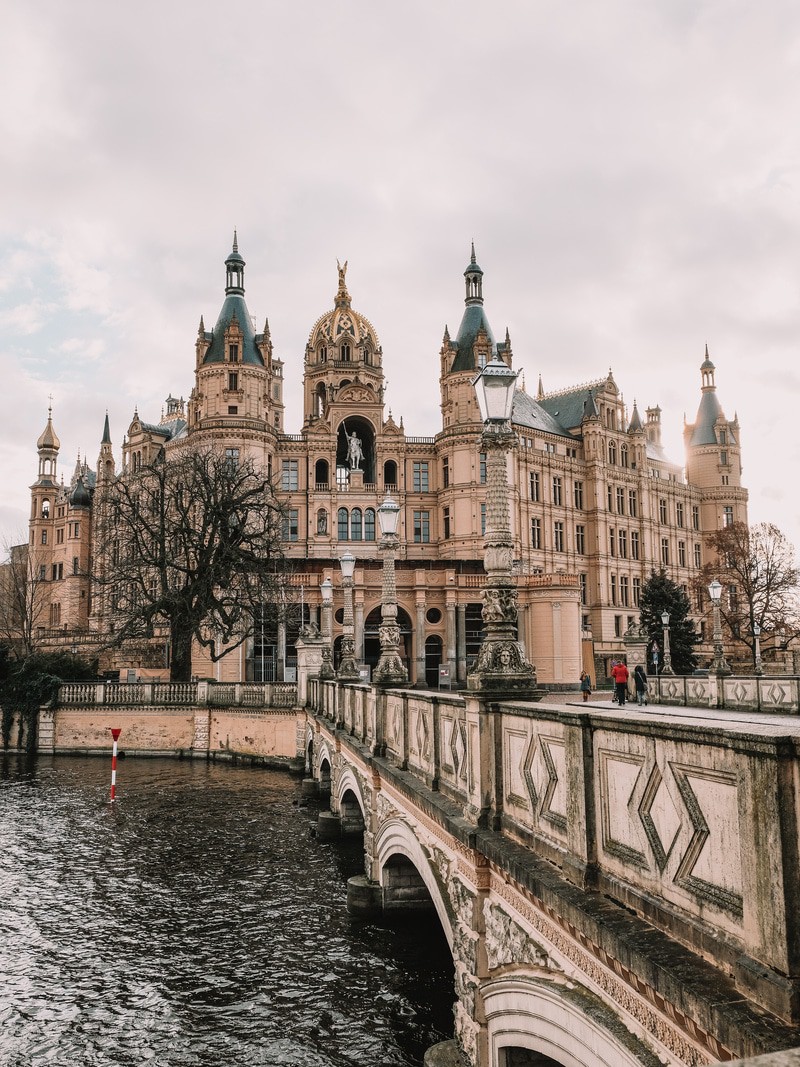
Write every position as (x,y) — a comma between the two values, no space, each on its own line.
(534,1022)
(349,783)
(396,838)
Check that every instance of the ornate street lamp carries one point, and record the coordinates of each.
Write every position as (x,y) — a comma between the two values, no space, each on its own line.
(667,668)
(326,670)
(501,669)
(757,637)
(348,670)
(390,670)
(718,664)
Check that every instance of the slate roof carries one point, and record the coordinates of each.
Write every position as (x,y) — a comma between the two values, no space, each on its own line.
(529,412)
(234,306)
(473,320)
(707,414)
(567,407)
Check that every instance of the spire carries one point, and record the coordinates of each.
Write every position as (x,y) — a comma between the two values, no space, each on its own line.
(589,407)
(446,338)
(342,299)
(48,439)
(266,328)
(201,329)
(106,440)
(707,372)
(234,266)
(540,390)
(636,422)
(473,276)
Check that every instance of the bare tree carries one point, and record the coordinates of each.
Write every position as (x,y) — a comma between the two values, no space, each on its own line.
(22,599)
(191,544)
(757,566)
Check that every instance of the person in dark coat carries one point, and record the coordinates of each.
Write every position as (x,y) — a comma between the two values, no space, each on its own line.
(640,681)
(586,686)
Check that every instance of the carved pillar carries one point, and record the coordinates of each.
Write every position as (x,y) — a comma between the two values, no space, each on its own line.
(420,679)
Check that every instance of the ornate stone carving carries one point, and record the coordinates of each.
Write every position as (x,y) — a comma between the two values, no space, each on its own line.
(507,942)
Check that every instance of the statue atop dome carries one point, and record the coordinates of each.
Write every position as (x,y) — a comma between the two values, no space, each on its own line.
(342,295)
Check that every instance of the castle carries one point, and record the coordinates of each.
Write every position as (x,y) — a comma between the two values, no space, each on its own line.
(595,504)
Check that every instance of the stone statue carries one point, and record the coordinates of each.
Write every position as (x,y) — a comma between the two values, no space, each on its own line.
(354,451)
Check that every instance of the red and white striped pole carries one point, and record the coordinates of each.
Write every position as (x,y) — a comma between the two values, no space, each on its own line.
(115,734)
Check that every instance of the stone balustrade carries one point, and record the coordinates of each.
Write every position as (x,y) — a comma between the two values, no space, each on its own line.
(179,694)
(733,691)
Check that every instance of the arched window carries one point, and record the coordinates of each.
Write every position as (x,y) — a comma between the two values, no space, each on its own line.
(319,400)
(323,353)
(369,524)
(45,509)
(344,524)
(623,455)
(355,524)
(612,452)
(322,521)
(345,353)
(390,472)
(321,472)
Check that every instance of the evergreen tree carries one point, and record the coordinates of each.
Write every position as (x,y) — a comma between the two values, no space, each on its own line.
(660,594)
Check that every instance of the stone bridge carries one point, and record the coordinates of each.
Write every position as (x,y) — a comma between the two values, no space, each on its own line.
(617,888)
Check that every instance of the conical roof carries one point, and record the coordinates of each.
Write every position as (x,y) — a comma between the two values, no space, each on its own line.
(48,437)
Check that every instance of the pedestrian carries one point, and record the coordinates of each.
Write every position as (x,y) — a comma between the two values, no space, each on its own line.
(614,687)
(640,681)
(619,672)
(586,686)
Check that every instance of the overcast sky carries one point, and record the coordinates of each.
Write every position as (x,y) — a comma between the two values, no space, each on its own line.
(629,173)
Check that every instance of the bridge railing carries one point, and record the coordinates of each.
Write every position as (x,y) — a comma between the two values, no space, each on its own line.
(733,691)
(690,823)
(182,694)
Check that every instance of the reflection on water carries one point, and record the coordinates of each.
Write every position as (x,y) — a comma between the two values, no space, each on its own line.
(196,923)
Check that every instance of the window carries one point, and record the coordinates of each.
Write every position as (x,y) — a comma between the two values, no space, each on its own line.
(695,517)
(571,453)
(344,353)
(612,541)
(610,495)
(445,472)
(623,544)
(723,459)
(289,475)
(662,510)
(617,626)
(55,614)
(612,452)
(355,524)
(76,529)
(45,509)
(369,524)
(42,571)
(58,571)
(420,477)
(557,491)
(390,472)
(233,409)
(623,455)
(632,503)
(558,536)
(679,513)
(323,354)
(637,591)
(290,525)
(578,491)
(620,500)
(634,544)
(580,540)
(343,523)
(233,381)
(723,437)
(681,553)
(422,527)
(727,516)
(623,590)
(60,536)
(550,447)
(446,523)
(583,583)
(665,551)
(613,582)
(536,533)
(698,562)
(535,491)
(233,353)
(44,537)
(483,519)
(482,459)
(232,457)
(75,565)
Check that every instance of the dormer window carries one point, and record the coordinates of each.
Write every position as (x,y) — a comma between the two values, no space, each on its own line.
(233,353)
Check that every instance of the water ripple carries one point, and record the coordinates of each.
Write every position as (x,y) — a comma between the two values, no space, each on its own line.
(194,924)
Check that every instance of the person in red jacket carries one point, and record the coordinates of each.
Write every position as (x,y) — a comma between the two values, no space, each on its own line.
(619,672)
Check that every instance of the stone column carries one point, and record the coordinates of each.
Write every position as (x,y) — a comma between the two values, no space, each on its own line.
(450,634)
(281,666)
(461,643)
(420,635)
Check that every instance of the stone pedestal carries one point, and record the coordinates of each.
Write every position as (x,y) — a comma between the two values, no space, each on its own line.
(364,898)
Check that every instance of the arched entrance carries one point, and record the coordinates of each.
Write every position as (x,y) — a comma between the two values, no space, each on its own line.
(372,645)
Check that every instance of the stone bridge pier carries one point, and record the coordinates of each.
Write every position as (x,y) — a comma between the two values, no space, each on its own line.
(614,892)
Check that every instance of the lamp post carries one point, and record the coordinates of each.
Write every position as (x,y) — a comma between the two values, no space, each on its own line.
(501,668)
(326,670)
(667,668)
(390,669)
(348,670)
(757,638)
(718,664)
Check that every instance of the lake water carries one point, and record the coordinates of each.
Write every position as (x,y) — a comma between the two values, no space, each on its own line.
(196,923)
